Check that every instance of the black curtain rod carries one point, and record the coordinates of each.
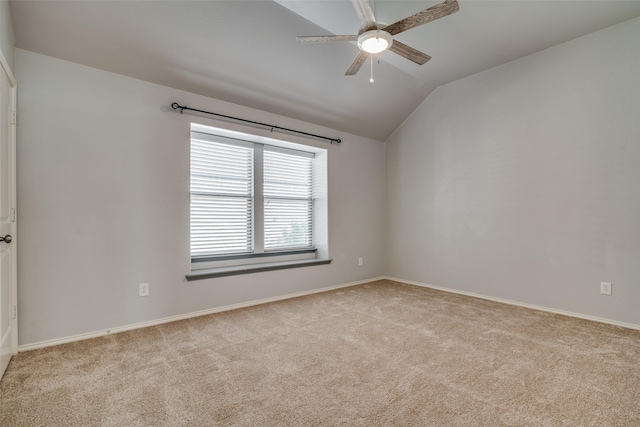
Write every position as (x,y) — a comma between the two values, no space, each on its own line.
(177,106)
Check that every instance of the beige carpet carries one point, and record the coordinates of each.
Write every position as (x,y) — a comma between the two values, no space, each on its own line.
(377,354)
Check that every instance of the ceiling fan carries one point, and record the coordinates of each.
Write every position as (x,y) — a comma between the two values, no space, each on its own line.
(374,38)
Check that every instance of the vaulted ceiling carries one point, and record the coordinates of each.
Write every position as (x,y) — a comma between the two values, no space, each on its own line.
(246,52)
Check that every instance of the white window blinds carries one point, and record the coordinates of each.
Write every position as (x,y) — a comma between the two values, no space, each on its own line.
(249,199)
(221,197)
(288,200)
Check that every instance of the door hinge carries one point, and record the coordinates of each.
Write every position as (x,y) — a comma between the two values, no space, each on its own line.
(15,312)
(14,118)
(13,214)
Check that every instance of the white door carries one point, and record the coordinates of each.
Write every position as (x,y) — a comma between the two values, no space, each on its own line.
(8,288)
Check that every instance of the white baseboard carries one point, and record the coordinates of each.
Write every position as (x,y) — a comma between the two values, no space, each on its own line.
(520,304)
(101,333)
(114,330)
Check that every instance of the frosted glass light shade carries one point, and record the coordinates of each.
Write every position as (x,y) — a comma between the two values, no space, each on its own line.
(374,41)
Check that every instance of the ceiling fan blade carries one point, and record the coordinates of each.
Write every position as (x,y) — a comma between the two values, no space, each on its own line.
(431,14)
(365,12)
(329,38)
(357,63)
(408,52)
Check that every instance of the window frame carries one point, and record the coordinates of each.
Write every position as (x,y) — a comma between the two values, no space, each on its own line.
(259,259)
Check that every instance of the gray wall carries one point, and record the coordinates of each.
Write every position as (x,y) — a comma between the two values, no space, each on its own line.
(523,182)
(103,204)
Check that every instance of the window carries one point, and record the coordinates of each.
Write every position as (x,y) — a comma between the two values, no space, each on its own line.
(254,200)
(221,198)
(288,200)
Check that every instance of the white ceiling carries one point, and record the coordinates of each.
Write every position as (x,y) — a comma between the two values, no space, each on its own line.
(245,51)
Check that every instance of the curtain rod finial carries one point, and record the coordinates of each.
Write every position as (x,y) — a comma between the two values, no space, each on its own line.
(177,106)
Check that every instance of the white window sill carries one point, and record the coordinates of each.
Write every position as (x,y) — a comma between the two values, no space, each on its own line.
(207,263)
(252,268)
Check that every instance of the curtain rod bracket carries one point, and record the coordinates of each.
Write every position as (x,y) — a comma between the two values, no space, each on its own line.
(177,106)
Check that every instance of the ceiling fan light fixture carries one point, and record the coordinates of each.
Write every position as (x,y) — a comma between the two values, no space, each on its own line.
(374,41)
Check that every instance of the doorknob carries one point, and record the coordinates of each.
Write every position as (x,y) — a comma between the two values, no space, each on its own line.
(6,239)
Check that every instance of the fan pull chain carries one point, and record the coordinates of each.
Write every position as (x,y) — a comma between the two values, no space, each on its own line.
(371,79)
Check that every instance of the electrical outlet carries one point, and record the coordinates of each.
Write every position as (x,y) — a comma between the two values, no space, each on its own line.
(359,261)
(605,288)
(143,290)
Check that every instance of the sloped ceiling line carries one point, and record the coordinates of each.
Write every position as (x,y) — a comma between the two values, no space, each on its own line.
(245,52)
